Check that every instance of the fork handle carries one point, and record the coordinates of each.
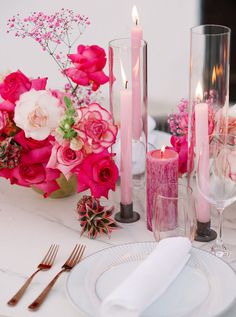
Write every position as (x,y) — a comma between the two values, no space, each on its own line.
(39,300)
(15,299)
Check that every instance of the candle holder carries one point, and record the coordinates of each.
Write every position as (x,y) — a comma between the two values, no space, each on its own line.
(128,105)
(208,107)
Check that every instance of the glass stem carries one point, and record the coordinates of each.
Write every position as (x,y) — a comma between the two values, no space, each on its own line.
(219,240)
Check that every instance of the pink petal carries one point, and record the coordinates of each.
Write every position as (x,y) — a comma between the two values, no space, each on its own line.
(7,106)
(39,83)
(40,155)
(52,174)
(99,77)
(48,187)
(77,76)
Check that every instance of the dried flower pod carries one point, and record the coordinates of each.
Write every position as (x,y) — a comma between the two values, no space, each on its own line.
(95,218)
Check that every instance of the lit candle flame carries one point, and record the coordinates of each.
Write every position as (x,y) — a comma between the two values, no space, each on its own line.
(199,92)
(213,77)
(162,150)
(135,15)
(123,76)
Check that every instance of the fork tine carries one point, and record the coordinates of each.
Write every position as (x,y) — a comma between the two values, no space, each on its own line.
(79,257)
(47,254)
(52,255)
(78,246)
(72,254)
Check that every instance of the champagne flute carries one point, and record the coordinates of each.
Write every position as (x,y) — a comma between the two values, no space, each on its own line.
(216,180)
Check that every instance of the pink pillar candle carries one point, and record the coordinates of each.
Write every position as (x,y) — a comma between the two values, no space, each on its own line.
(162,167)
(202,148)
(136,38)
(126,146)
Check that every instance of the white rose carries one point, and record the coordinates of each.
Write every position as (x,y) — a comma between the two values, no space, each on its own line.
(37,113)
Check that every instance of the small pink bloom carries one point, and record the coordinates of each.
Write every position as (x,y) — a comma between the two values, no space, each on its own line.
(180,145)
(88,66)
(64,159)
(98,173)
(95,127)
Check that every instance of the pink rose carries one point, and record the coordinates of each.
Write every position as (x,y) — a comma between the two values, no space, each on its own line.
(95,127)
(98,173)
(17,83)
(35,175)
(64,159)
(34,151)
(180,145)
(88,66)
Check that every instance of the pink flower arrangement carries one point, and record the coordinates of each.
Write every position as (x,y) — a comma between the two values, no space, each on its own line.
(178,123)
(50,136)
(45,133)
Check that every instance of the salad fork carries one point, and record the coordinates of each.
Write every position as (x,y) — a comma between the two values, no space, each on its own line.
(44,265)
(73,259)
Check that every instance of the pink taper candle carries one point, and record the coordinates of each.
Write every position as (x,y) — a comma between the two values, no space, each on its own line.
(162,167)
(202,148)
(126,143)
(136,38)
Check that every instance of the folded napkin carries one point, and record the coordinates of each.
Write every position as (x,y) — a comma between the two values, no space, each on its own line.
(150,280)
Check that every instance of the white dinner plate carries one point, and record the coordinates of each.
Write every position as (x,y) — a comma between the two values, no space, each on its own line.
(206,287)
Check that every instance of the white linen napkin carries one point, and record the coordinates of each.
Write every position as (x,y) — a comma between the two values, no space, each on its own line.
(150,280)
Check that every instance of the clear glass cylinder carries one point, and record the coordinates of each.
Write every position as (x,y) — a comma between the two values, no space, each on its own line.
(208,95)
(128,105)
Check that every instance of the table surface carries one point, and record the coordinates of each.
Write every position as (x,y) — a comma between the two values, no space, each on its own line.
(30,223)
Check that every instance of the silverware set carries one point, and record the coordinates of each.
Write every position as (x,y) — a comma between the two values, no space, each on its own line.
(47,262)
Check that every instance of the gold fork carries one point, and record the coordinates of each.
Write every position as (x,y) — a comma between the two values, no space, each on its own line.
(74,258)
(45,264)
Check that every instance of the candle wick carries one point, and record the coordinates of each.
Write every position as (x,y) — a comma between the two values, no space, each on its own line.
(126,84)
(161,154)
(136,22)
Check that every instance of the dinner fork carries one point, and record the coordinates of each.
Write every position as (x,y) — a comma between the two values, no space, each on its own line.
(44,265)
(73,259)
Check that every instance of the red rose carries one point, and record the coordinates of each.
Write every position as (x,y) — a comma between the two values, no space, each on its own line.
(88,66)
(29,143)
(35,175)
(98,173)
(17,83)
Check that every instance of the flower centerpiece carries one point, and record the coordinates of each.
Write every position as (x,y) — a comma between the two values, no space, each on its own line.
(178,124)
(47,134)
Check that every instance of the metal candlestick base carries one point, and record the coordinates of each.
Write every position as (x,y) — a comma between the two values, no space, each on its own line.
(204,232)
(126,214)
